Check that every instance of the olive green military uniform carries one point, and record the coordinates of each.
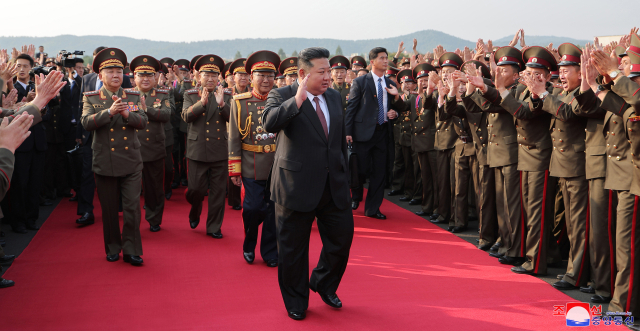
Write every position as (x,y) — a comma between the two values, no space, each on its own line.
(168,143)
(537,188)
(233,191)
(344,93)
(502,155)
(423,131)
(153,152)
(117,164)
(411,181)
(179,131)
(251,154)
(207,156)
(568,163)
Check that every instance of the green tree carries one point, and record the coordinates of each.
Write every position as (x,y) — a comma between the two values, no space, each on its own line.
(282,54)
(237,56)
(339,50)
(295,53)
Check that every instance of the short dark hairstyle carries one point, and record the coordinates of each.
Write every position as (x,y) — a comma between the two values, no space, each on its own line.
(97,50)
(26,57)
(79,60)
(306,55)
(373,54)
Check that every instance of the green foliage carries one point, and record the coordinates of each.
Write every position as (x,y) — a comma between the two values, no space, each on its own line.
(339,50)
(282,54)
(237,56)
(295,53)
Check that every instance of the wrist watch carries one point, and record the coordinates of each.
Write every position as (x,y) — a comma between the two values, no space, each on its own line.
(614,74)
(543,95)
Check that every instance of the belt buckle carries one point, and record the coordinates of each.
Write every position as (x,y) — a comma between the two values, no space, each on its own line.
(266,148)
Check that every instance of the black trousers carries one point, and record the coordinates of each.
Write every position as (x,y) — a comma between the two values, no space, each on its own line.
(256,210)
(88,182)
(168,170)
(56,178)
(372,155)
(293,231)
(179,161)
(24,194)
(233,194)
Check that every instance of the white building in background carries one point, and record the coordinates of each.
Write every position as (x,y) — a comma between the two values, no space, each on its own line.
(607,39)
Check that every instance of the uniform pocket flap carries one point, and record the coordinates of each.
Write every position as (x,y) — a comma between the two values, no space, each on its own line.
(596,150)
(510,139)
(289,164)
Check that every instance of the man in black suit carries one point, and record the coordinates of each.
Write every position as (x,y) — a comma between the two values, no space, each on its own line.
(309,180)
(90,83)
(22,205)
(373,101)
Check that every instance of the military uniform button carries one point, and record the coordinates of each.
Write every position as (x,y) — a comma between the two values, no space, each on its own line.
(148,121)
(207,139)
(124,128)
(217,122)
(207,131)
(147,139)
(111,129)
(147,130)
(560,140)
(561,149)
(125,138)
(614,146)
(218,138)
(112,139)
(613,133)
(585,130)
(113,149)
(554,139)
(554,147)
(218,130)
(207,123)
(126,147)
(614,122)
(609,156)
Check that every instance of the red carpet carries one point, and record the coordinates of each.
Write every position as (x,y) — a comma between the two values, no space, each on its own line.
(404,273)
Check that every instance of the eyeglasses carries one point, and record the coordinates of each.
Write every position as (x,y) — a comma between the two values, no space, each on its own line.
(268,77)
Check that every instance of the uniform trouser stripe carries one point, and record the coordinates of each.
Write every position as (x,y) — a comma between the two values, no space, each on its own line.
(612,250)
(633,252)
(523,239)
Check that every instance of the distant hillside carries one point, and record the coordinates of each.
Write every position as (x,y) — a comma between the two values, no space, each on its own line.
(541,41)
(427,40)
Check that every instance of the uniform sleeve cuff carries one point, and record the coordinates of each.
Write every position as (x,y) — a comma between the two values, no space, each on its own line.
(235,166)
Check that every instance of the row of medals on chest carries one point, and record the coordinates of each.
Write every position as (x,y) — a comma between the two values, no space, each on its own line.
(261,133)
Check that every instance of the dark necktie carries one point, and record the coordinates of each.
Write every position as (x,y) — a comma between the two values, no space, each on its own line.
(323,120)
(380,103)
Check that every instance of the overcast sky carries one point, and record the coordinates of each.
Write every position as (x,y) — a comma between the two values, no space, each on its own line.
(195,20)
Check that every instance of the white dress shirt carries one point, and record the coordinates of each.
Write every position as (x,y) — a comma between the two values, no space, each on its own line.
(384,94)
(24,86)
(98,82)
(323,106)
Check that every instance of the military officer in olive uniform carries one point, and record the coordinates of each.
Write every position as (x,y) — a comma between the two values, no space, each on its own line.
(423,131)
(339,66)
(502,154)
(168,130)
(534,155)
(152,138)
(251,154)
(393,158)
(412,181)
(115,115)
(207,115)
(289,68)
(568,163)
(181,84)
(358,63)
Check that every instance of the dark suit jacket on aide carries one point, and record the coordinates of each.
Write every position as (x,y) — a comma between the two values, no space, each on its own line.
(304,157)
(38,138)
(361,116)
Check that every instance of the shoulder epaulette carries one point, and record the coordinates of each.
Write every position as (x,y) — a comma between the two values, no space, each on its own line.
(192,91)
(92,93)
(132,91)
(228,91)
(188,80)
(241,96)
(162,91)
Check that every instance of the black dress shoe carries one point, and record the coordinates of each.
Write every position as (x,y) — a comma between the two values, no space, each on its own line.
(296,315)
(331,299)
(423,213)
(272,263)
(516,261)
(46,202)
(587,289)
(355,204)
(561,276)
(600,299)
(495,247)
(496,254)
(133,259)
(450,228)
(19,229)
(459,229)
(6,283)
(564,285)
(415,202)
(168,195)
(154,228)
(238,207)
(217,235)
(32,226)
(378,215)
(7,259)
(249,256)
(485,247)
(184,182)
(113,258)
(394,192)
(175,185)
(405,199)
(520,270)
(194,224)
(86,219)
(74,198)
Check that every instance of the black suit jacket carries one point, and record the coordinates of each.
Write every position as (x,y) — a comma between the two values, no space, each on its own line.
(69,106)
(304,157)
(37,140)
(89,85)
(361,116)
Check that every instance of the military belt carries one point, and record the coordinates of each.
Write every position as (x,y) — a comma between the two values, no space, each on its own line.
(259,148)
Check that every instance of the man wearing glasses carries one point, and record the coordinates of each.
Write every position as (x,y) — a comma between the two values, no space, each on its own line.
(251,154)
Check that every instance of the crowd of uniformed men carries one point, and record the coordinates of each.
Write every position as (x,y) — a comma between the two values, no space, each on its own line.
(543,143)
